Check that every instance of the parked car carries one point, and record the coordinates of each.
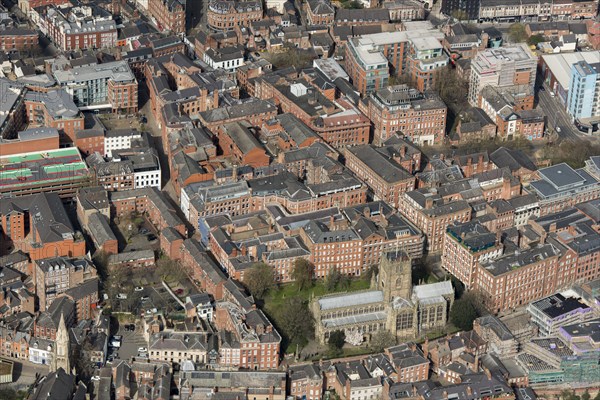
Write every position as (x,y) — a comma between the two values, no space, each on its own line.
(122,296)
(138,288)
(142,350)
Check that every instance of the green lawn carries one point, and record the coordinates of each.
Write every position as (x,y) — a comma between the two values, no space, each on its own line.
(275,297)
(274,301)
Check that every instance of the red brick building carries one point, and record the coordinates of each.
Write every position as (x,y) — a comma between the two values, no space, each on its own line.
(54,109)
(79,28)
(254,111)
(26,5)
(319,12)
(37,139)
(203,271)
(90,141)
(258,350)
(169,15)
(226,15)
(383,173)
(465,245)
(402,109)
(346,128)
(237,140)
(17,39)
(149,201)
(38,224)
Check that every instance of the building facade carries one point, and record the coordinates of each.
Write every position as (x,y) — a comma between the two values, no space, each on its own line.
(583,100)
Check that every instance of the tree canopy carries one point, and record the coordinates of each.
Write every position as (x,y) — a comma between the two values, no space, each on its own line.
(302,273)
(259,279)
(296,321)
(534,40)
(517,33)
(291,56)
(382,340)
(337,340)
(464,311)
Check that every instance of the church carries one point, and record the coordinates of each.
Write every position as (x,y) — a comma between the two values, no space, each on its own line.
(392,303)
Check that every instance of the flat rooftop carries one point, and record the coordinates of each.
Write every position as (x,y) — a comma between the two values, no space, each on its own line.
(47,166)
(560,64)
(562,179)
(117,71)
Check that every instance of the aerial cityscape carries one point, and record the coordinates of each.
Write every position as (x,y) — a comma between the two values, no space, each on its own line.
(299,200)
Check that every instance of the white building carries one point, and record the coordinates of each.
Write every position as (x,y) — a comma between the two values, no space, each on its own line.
(178,347)
(227,58)
(203,305)
(553,312)
(119,139)
(277,5)
(41,351)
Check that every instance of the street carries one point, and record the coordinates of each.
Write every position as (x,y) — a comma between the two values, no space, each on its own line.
(556,116)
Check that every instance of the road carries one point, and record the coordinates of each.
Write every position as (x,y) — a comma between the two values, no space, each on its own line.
(131,342)
(557,116)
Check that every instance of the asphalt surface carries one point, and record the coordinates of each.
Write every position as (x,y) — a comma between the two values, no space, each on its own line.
(25,373)
(131,342)
(556,116)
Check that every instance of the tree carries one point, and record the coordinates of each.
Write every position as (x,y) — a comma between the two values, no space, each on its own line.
(422,269)
(337,340)
(382,340)
(344,282)
(459,287)
(372,271)
(586,395)
(517,33)
(296,321)
(534,40)
(302,273)
(167,267)
(463,313)
(569,395)
(332,279)
(100,261)
(453,90)
(259,279)
(8,393)
(574,154)
(460,15)
(352,4)
(291,56)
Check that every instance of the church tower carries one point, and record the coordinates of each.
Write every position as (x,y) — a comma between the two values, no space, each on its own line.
(395,275)
(61,347)
(395,280)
